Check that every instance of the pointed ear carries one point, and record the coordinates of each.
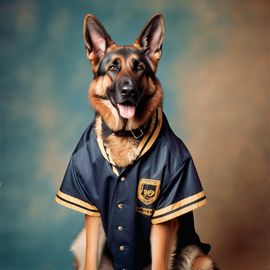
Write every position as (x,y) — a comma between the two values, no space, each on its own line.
(151,37)
(96,39)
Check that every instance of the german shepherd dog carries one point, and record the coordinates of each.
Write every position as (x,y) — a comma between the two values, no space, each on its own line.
(125,93)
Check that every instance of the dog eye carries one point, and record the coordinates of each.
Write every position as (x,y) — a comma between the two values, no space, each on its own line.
(138,67)
(113,68)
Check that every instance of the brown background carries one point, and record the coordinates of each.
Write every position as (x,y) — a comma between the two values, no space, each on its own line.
(226,105)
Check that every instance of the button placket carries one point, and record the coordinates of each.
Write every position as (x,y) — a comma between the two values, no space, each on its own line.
(122,204)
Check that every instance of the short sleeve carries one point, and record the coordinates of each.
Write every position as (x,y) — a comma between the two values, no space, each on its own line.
(73,193)
(181,194)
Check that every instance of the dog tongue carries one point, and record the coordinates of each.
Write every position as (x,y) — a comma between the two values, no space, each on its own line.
(126,111)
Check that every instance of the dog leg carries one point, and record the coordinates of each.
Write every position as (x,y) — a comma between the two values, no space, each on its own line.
(163,242)
(192,258)
(95,241)
(89,244)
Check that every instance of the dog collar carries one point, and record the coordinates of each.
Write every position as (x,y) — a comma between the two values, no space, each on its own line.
(137,133)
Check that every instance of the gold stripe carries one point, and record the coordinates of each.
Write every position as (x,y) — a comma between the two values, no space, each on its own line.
(146,136)
(77,201)
(100,142)
(179,213)
(178,204)
(76,208)
(115,170)
(103,151)
(154,136)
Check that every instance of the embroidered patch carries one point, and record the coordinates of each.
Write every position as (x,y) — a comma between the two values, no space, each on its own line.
(148,190)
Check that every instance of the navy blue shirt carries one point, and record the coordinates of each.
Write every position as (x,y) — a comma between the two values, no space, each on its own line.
(160,185)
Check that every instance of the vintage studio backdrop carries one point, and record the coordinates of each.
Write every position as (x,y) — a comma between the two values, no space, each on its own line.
(215,72)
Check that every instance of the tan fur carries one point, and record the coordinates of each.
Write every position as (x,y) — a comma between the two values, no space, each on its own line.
(121,156)
(202,262)
(127,153)
(101,84)
(124,155)
(192,258)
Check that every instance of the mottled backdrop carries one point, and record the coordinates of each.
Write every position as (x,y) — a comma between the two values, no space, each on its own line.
(215,72)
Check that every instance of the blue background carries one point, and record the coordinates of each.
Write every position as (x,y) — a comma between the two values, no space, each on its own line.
(215,75)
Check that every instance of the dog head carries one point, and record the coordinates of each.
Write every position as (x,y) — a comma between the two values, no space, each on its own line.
(124,90)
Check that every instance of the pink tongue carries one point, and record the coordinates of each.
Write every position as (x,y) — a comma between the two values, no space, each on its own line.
(126,111)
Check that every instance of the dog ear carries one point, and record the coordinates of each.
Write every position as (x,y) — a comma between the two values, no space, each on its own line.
(151,38)
(96,39)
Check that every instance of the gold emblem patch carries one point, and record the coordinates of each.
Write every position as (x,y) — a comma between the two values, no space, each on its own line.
(148,190)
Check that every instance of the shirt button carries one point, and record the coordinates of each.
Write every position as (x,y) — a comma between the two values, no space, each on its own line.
(122,178)
(120,228)
(122,248)
(120,205)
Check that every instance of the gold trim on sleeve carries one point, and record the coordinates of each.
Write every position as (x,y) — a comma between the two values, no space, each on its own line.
(178,204)
(76,201)
(76,208)
(179,213)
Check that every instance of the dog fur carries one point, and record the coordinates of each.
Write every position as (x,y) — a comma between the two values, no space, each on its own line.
(149,47)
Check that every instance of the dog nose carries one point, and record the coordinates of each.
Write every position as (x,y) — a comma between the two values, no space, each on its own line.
(127,90)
